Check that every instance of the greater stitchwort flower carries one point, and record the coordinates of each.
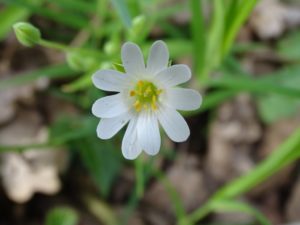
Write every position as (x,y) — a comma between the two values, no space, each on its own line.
(146,97)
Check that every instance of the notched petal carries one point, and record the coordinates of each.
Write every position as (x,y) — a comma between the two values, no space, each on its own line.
(110,80)
(174,75)
(158,58)
(183,99)
(133,60)
(110,106)
(174,124)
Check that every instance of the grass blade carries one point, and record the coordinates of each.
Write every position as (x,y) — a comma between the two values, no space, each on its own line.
(244,9)
(234,206)
(253,86)
(56,71)
(123,12)
(198,35)
(214,40)
(9,16)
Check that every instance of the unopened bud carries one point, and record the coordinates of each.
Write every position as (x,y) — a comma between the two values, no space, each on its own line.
(27,34)
(138,25)
(111,47)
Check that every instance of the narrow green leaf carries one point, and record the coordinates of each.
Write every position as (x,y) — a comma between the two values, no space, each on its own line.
(9,16)
(56,71)
(235,206)
(214,38)
(123,12)
(72,20)
(253,85)
(62,216)
(198,35)
(231,11)
(244,9)
(119,67)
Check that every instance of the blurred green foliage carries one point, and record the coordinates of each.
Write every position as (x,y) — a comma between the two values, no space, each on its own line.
(91,38)
(61,216)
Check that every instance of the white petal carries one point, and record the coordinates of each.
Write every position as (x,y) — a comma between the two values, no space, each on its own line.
(130,145)
(158,58)
(183,99)
(148,133)
(173,124)
(110,80)
(133,60)
(108,127)
(110,106)
(174,75)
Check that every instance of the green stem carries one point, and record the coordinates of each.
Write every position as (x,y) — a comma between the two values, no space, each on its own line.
(61,47)
(54,45)
(139,172)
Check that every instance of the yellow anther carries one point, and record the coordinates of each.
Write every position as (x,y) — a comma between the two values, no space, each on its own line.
(137,102)
(153,106)
(140,83)
(146,95)
(137,105)
(148,90)
(158,91)
(132,93)
(154,99)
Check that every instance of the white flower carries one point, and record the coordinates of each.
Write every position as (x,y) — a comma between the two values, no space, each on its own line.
(146,97)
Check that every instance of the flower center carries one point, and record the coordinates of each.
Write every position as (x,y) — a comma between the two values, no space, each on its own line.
(146,95)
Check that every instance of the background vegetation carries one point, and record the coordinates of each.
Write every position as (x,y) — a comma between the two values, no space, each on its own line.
(245,78)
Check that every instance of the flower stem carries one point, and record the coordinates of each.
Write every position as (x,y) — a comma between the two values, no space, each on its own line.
(139,172)
(54,45)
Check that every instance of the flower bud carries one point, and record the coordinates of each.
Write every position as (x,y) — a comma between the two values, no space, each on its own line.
(138,25)
(111,47)
(27,34)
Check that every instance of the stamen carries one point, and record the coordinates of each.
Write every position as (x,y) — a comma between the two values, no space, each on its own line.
(146,96)
(137,105)
(153,106)
(132,93)
(147,92)
(159,91)
(140,83)
(153,99)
